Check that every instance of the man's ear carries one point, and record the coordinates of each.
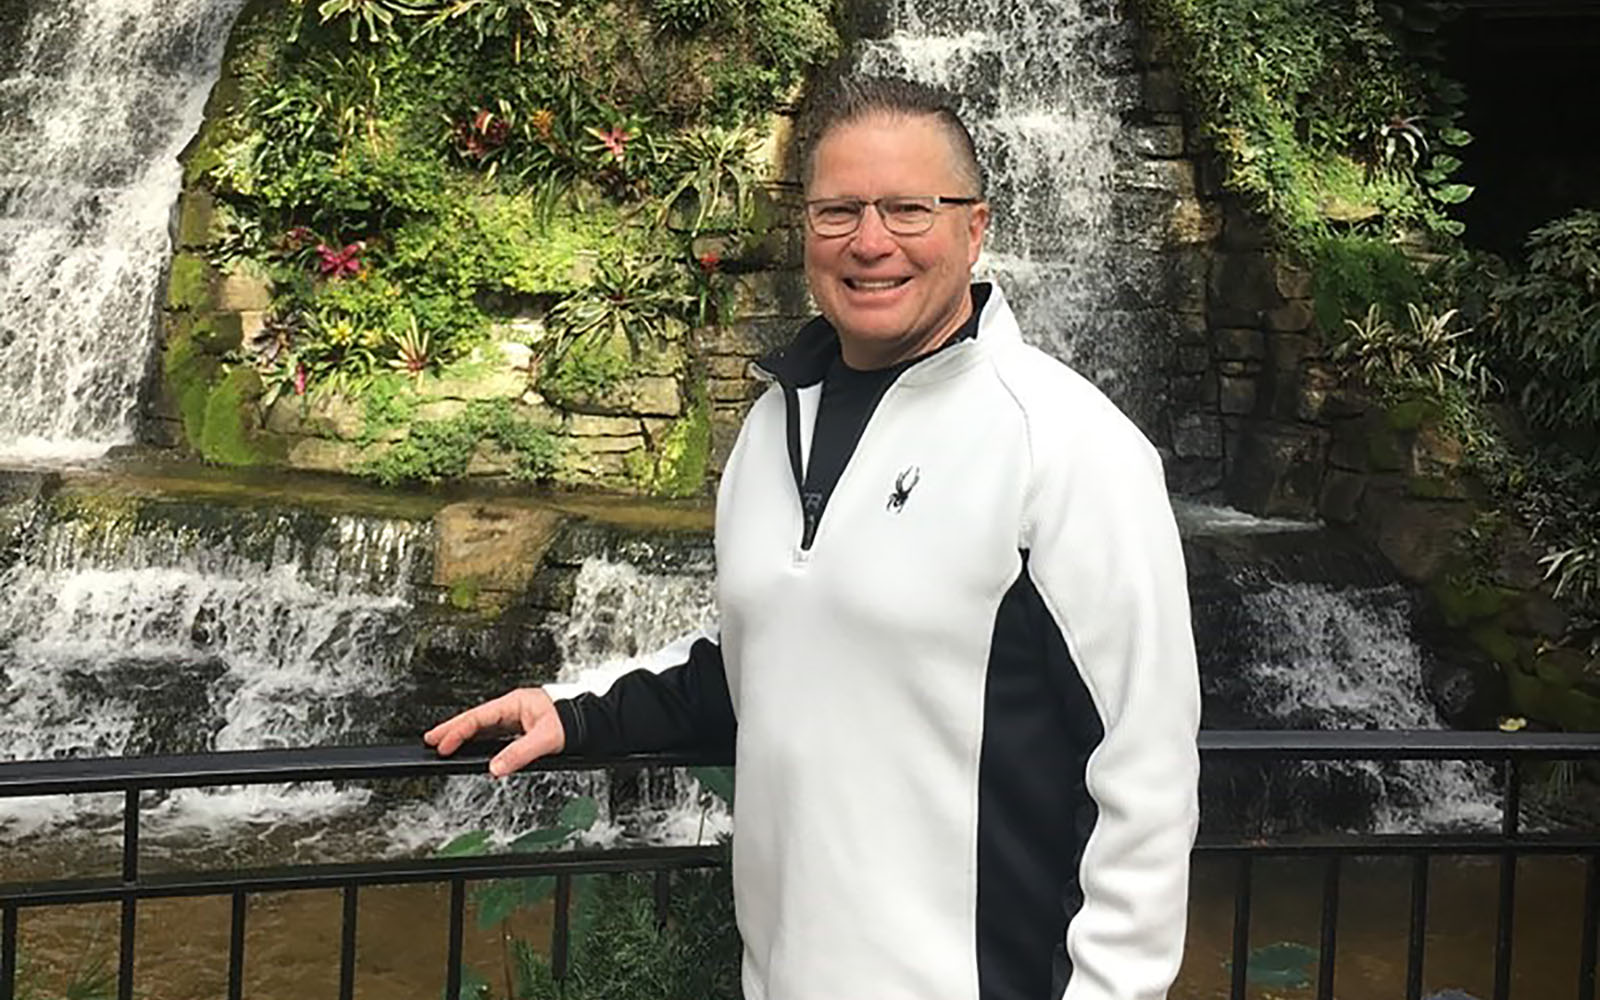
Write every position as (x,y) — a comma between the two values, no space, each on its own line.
(977,226)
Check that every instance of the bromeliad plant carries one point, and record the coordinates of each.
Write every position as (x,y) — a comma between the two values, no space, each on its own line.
(641,299)
(715,188)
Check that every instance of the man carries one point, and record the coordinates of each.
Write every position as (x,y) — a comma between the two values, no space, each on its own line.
(955,654)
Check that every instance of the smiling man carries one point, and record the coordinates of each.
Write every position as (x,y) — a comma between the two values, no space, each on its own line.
(954,657)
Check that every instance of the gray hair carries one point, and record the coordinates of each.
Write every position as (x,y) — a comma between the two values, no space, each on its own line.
(853,99)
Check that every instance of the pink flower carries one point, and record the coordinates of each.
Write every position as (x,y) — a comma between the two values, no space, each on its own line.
(616,140)
(343,263)
(300,380)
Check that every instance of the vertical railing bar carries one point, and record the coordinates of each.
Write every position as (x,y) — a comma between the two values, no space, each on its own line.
(458,909)
(236,947)
(1241,929)
(130,902)
(1587,952)
(1417,942)
(8,953)
(1330,929)
(561,929)
(1509,823)
(347,943)
(663,886)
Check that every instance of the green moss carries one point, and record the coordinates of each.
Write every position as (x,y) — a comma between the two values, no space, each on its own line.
(587,371)
(1352,272)
(229,434)
(678,467)
(464,593)
(1493,639)
(438,450)
(189,373)
(1575,711)
(1463,599)
(1410,414)
(1526,693)
(190,284)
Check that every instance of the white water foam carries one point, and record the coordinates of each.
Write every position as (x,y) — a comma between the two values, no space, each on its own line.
(119,639)
(107,94)
(1344,659)
(620,615)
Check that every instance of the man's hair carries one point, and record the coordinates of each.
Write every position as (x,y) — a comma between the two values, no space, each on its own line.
(853,99)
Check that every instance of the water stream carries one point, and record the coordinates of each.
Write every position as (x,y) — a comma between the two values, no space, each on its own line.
(1046,90)
(103,97)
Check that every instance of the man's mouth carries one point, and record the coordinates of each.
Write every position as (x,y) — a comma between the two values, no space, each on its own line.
(874,284)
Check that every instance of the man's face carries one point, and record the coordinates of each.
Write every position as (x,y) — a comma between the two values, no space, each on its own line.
(892,297)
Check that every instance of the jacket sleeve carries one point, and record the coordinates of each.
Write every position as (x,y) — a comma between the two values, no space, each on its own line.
(677,700)
(1107,561)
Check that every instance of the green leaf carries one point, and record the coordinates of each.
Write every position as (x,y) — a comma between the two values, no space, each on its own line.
(498,900)
(717,780)
(1455,136)
(1453,194)
(467,845)
(580,813)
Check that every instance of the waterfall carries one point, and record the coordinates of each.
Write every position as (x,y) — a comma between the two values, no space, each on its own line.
(1045,88)
(1301,627)
(620,613)
(125,632)
(103,97)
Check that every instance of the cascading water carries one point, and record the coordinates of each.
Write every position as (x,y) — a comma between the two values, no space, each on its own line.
(123,635)
(1301,629)
(620,613)
(104,96)
(1044,88)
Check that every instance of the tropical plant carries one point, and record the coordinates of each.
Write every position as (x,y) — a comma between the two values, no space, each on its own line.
(642,299)
(1548,326)
(377,16)
(520,19)
(716,181)
(413,353)
(1424,353)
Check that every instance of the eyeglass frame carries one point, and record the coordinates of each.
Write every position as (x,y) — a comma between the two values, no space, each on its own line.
(862,203)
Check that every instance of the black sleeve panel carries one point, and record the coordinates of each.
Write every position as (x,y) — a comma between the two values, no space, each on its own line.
(685,707)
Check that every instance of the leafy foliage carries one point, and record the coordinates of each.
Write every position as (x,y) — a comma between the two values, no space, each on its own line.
(1549,326)
(1324,110)
(436,450)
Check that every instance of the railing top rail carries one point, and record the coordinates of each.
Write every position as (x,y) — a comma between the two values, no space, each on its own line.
(247,767)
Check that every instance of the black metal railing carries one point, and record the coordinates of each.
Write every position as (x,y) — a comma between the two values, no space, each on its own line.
(132,776)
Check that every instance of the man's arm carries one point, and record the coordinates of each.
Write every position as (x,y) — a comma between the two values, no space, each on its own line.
(675,700)
(1107,561)
(683,706)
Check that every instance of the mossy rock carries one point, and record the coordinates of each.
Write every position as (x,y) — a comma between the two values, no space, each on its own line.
(1526,694)
(231,434)
(678,466)
(1462,601)
(1411,414)
(1574,711)
(1493,639)
(191,283)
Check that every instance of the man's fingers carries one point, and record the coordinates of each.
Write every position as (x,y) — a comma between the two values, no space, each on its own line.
(522,752)
(448,736)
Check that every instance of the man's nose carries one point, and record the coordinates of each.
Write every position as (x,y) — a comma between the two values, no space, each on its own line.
(872,238)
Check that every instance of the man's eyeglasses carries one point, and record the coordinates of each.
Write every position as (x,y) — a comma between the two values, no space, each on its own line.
(903,215)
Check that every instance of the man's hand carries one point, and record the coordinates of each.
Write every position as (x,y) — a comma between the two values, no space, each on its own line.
(525,711)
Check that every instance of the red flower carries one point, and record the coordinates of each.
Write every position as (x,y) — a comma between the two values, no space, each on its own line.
(616,140)
(709,261)
(344,263)
(298,237)
(300,380)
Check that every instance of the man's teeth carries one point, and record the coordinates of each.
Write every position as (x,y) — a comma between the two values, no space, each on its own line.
(876,286)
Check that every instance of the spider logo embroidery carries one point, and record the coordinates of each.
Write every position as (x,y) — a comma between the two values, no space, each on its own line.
(903,485)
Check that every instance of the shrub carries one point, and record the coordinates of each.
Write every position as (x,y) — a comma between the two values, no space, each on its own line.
(1548,328)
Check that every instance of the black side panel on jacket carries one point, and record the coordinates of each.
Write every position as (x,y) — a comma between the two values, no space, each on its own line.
(682,707)
(1034,811)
